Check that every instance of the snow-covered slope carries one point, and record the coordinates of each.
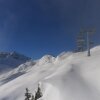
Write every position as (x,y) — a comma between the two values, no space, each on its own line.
(11,60)
(69,76)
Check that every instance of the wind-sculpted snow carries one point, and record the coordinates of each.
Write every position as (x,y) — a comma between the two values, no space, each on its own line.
(69,76)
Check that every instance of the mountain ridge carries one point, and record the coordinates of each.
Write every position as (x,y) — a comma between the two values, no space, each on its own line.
(9,60)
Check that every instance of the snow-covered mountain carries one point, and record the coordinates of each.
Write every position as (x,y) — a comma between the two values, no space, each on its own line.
(9,60)
(69,76)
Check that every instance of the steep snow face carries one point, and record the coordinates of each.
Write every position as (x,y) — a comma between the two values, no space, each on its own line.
(20,70)
(11,60)
(69,76)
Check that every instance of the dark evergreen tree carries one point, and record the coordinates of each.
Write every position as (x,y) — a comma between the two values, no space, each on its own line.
(32,97)
(38,94)
(27,94)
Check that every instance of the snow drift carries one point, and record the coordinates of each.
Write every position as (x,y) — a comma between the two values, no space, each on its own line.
(69,76)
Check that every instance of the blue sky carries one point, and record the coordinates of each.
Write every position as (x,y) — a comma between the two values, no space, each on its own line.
(39,27)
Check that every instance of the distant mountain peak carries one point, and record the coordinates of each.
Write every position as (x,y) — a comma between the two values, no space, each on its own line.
(13,54)
(10,60)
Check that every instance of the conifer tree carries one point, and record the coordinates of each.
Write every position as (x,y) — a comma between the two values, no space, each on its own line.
(32,97)
(27,94)
(38,94)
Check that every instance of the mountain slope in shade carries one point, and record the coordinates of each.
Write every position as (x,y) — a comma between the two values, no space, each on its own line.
(11,60)
(69,76)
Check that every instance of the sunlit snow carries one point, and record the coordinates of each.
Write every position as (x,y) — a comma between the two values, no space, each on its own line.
(69,76)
